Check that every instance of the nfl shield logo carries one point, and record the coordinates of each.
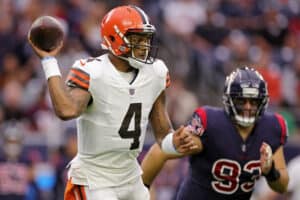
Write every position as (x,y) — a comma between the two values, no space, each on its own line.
(131,91)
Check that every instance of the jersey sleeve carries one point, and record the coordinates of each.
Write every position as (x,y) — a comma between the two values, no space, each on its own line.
(283,128)
(198,122)
(79,76)
(162,71)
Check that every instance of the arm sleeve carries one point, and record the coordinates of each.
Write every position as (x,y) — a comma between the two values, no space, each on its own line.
(78,77)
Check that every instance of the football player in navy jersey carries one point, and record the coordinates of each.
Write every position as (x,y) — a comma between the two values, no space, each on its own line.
(16,170)
(239,144)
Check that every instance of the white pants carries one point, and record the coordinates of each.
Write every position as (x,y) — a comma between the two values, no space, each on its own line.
(134,190)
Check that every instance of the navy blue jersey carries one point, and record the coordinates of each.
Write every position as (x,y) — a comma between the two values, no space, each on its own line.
(228,166)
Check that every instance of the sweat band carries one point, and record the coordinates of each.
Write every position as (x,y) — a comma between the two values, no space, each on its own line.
(167,145)
(50,67)
(273,174)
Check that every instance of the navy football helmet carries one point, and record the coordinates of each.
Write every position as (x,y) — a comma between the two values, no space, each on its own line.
(241,86)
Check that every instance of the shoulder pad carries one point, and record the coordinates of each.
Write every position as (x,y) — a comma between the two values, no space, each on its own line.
(88,65)
(86,62)
(160,68)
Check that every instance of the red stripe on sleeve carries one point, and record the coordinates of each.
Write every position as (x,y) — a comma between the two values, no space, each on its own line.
(283,128)
(202,114)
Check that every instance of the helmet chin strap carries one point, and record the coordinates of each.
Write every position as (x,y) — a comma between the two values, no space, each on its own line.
(135,62)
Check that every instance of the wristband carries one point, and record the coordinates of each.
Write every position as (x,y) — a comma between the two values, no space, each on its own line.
(167,145)
(50,67)
(273,174)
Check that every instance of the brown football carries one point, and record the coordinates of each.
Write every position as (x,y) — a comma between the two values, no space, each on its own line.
(46,33)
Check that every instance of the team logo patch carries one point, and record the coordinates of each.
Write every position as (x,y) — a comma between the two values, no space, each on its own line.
(131,91)
(195,125)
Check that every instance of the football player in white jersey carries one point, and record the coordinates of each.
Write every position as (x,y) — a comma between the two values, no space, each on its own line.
(113,97)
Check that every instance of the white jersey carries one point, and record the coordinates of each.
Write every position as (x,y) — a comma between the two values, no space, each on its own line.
(111,131)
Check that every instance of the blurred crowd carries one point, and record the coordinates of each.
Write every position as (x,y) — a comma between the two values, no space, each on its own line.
(201,41)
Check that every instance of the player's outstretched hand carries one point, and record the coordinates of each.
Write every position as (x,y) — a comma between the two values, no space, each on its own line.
(185,142)
(265,158)
(41,53)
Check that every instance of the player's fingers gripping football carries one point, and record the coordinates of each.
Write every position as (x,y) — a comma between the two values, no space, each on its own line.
(41,53)
(265,158)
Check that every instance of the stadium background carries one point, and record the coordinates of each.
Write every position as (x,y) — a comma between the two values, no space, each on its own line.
(201,41)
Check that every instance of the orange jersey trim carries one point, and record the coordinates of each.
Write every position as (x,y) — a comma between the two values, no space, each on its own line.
(168,80)
(78,82)
(80,74)
(74,192)
(78,78)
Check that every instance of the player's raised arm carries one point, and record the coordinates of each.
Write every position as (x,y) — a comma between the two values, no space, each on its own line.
(67,103)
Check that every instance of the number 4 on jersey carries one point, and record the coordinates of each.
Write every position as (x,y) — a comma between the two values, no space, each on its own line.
(134,110)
